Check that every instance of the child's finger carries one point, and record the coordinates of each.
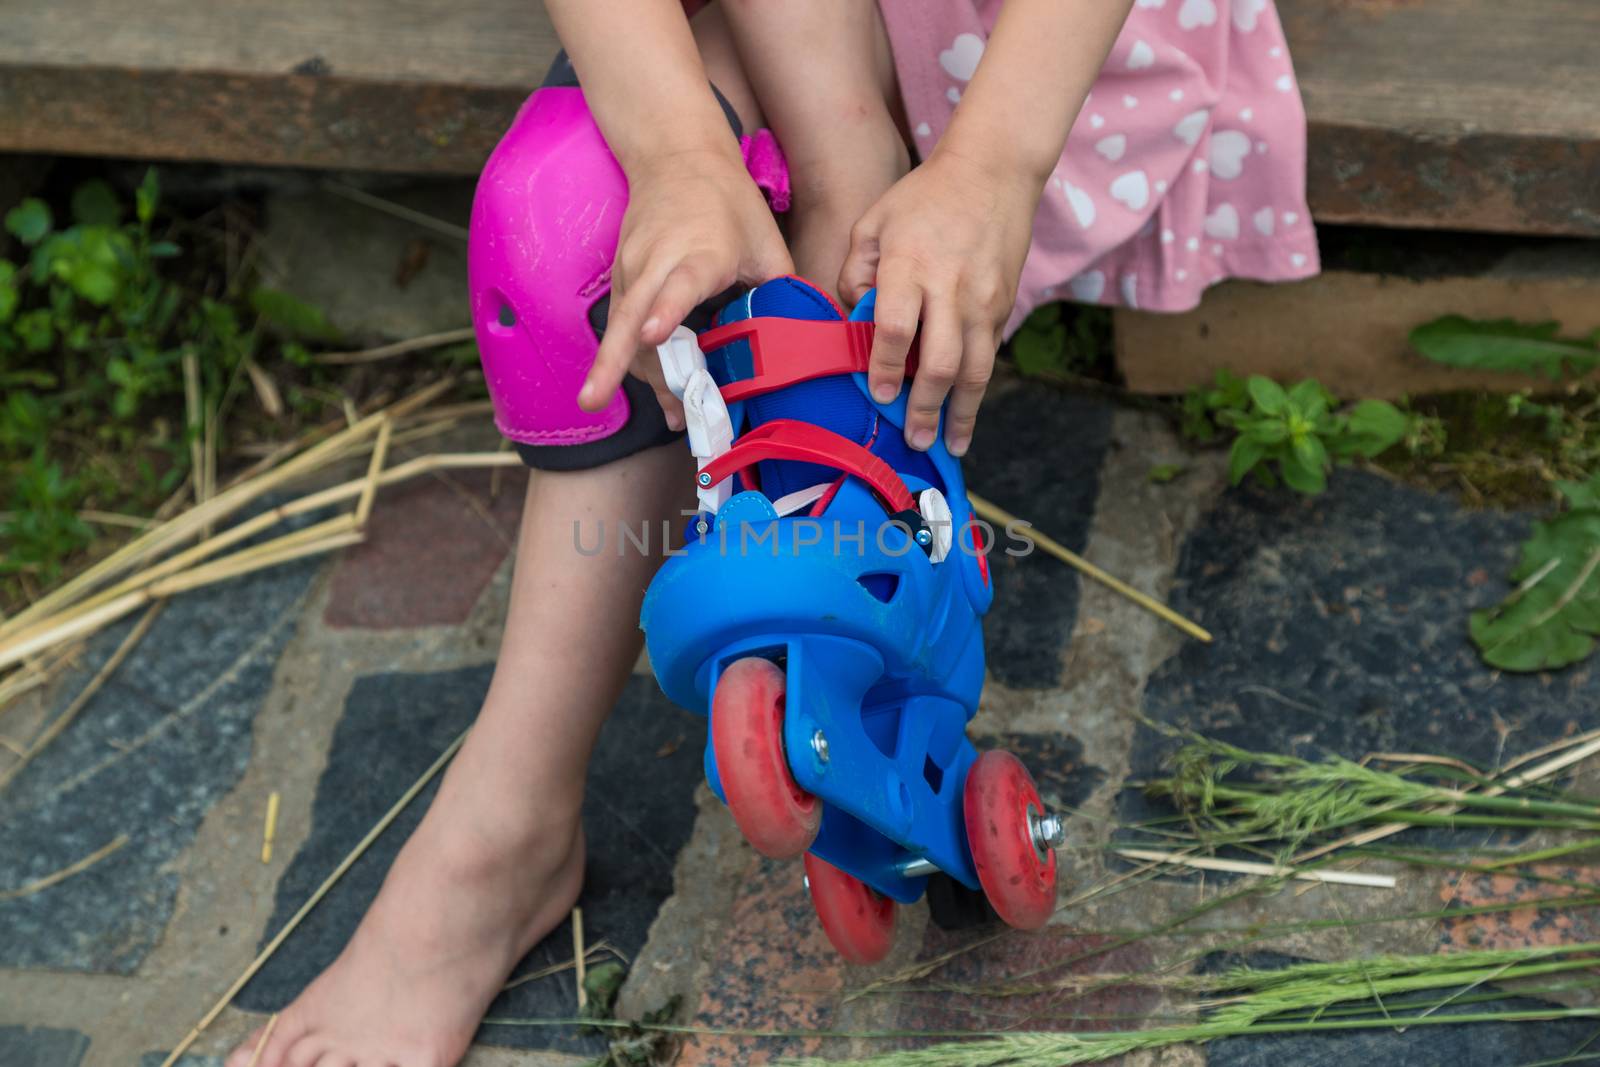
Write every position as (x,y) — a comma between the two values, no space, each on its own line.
(894,317)
(624,321)
(688,284)
(860,270)
(937,362)
(977,364)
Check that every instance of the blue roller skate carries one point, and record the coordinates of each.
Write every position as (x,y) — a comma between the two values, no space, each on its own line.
(825,614)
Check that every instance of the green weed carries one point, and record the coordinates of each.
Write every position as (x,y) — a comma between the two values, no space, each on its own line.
(97,314)
(1296,434)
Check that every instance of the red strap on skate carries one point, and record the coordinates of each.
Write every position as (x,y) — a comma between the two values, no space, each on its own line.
(786,351)
(805,443)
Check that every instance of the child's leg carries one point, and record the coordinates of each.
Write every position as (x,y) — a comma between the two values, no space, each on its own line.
(498,860)
(834,104)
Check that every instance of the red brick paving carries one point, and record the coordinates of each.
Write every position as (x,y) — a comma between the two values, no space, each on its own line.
(773,970)
(431,548)
(1054,979)
(1520,927)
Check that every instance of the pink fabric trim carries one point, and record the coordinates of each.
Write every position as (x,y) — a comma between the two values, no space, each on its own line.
(763,158)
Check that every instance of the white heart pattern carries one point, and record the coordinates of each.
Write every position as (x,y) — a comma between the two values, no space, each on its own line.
(1191,126)
(1228,150)
(1197,13)
(923,129)
(1284,83)
(1096,121)
(1088,286)
(1291,217)
(1130,101)
(1223,223)
(1131,189)
(953,95)
(1141,55)
(1263,221)
(1152,3)
(1112,147)
(1298,259)
(1130,290)
(1245,13)
(960,60)
(1082,204)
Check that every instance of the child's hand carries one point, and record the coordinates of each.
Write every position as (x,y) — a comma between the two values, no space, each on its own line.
(696,224)
(945,245)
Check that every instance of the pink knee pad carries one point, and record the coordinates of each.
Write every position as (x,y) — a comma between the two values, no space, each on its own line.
(545,222)
(544,232)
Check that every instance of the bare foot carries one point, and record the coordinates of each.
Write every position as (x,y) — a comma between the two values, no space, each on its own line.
(462,904)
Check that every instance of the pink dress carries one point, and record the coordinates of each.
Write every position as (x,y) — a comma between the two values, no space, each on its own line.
(1186,166)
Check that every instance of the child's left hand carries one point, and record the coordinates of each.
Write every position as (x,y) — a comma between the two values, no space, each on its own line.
(945,245)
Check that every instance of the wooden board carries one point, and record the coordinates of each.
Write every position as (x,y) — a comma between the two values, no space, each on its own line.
(1464,114)
(1454,114)
(1349,330)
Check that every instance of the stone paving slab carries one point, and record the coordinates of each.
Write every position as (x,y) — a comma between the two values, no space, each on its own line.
(1037,597)
(462,536)
(42,1046)
(1341,626)
(147,758)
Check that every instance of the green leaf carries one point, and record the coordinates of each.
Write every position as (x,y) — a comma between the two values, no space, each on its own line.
(9,296)
(1310,399)
(601,983)
(1267,394)
(1243,457)
(1310,452)
(1162,473)
(35,330)
(1299,476)
(1552,618)
(293,315)
(1039,351)
(146,197)
(1269,431)
(29,221)
(1581,495)
(94,203)
(1374,426)
(1504,345)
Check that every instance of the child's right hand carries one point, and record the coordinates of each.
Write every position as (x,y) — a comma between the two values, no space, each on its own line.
(696,223)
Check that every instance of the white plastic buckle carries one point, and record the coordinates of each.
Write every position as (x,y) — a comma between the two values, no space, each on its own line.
(705,415)
(680,357)
(710,433)
(935,511)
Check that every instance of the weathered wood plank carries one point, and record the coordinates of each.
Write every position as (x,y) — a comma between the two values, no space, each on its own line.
(1464,114)
(1459,114)
(1350,330)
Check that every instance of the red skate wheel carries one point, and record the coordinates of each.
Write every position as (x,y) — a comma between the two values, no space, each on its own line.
(775,815)
(858,920)
(1018,876)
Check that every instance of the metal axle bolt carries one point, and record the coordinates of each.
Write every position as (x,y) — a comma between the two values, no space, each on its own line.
(819,745)
(704,479)
(1049,830)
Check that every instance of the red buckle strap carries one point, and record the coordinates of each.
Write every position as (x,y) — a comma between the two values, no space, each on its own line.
(805,443)
(784,352)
